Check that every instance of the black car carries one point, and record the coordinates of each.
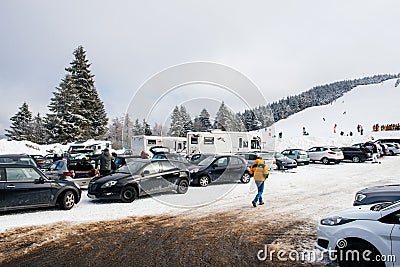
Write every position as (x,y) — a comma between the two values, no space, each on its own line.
(139,177)
(221,168)
(355,154)
(25,186)
(377,194)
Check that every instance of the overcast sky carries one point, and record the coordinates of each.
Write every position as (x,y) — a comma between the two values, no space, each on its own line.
(284,47)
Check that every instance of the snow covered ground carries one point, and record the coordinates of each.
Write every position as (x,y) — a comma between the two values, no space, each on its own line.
(307,192)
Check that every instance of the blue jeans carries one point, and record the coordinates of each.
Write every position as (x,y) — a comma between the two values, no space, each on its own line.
(260,186)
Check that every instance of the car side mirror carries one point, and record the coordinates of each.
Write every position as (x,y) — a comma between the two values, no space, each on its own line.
(146,172)
(38,181)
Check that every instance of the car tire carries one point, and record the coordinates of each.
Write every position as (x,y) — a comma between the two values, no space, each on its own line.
(128,194)
(356,159)
(306,163)
(360,247)
(245,178)
(325,160)
(391,153)
(67,200)
(182,186)
(204,181)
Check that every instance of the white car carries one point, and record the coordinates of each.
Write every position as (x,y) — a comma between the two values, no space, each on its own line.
(325,154)
(393,148)
(362,236)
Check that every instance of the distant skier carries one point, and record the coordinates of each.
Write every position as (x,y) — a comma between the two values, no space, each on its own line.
(334,128)
(323,119)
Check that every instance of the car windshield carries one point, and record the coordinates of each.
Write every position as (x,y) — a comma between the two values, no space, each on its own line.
(278,155)
(132,167)
(207,161)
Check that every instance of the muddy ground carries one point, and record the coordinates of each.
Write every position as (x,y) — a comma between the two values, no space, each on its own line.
(219,239)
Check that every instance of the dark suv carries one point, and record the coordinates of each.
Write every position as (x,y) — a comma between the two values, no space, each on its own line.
(355,154)
(25,186)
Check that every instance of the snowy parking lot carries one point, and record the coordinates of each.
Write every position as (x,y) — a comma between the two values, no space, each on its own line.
(307,193)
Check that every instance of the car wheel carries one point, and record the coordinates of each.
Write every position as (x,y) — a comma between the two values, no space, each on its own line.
(356,159)
(306,163)
(391,153)
(183,186)
(204,181)
(325,161)
(360,247)
(128,194)
(245,178)
(67,200)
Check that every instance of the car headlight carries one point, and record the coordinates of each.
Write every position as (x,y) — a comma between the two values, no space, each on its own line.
(109,184)
(360,197)
(194,170)
(336,220)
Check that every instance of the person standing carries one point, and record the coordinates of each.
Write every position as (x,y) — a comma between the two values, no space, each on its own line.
(105,162)
(260,173)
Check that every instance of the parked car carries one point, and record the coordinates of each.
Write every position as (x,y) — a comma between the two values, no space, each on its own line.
(325,154)
(377,194)
(222,168)
(393,148)
(41,161)
(371,232)
(139,177)
(172,156)
(271,158)
(18,159)
(299,155)
(355,154)
(78,171)
(25,186)
(374,148)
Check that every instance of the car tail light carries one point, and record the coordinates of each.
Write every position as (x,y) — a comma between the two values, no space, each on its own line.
(71,173)
(332,153)
(39,161)
(96,172)
(298,156)
(274,162)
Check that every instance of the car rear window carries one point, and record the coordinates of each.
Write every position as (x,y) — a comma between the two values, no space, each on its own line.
(336,149)
(302,152)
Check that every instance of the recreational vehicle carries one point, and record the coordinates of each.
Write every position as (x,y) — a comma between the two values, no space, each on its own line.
(143,143)
(221,142)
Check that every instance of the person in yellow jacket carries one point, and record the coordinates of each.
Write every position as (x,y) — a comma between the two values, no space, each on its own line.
(260,173)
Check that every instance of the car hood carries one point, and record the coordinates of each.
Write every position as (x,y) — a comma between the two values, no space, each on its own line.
(358,213)
(111,177)
(381,189)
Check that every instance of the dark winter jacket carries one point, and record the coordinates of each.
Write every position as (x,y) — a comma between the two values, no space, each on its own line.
(105,161)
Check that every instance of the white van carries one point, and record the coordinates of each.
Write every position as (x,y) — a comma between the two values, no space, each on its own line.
(146,142)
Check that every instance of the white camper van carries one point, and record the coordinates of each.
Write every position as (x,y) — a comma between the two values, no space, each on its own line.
(218,141)
(145,143)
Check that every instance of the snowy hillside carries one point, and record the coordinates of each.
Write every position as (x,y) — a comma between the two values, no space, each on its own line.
(365,105)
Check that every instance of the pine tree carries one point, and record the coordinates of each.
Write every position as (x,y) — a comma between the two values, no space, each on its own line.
(205,124)
(157,129)
(38,130)
(127,132)
(137,128)
(197,124)
(94,119)
(176,126)
(21,124)
(115,132)
(146,127)
(223,119)
(187,122)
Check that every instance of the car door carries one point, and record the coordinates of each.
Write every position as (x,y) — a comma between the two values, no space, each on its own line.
(218,169)
(151,179)
(313,153)
(22,188)
(2,187)
(169,174)
(236,168)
